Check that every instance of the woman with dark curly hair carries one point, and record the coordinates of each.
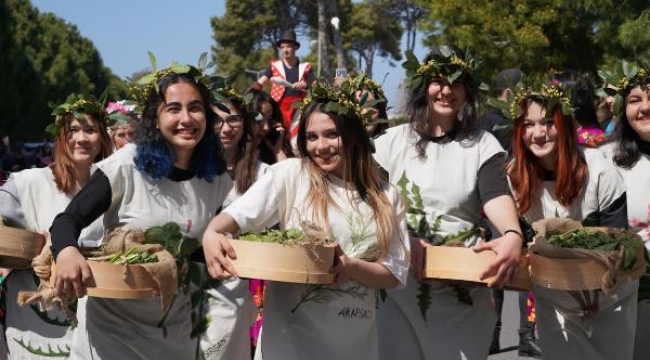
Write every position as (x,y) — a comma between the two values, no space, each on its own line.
(451,169)
(173,172)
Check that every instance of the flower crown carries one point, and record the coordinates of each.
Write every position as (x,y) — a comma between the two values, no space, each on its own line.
(223,94)
(77,106)
(149,83)
(340,99)
(447,65)
(623,78)
(551,94)
(123,111)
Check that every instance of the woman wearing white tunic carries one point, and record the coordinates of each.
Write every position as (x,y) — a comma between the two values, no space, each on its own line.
(335,185)
(458,169)
(630,154)
(32,198)
(172,173)
(228,309)
(552,177)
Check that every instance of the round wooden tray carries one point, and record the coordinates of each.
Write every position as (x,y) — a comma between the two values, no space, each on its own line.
(18,247)
(577,274)
(286,263)
(463,265)
(110,282)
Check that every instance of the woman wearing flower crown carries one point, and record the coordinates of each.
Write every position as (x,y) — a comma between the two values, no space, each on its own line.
(173,172)
(336,186)
(124,113)
(228,307)
(32,198)
(630,153)
(450,169)
(554,178)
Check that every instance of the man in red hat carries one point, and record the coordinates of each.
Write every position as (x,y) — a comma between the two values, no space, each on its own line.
(289,79)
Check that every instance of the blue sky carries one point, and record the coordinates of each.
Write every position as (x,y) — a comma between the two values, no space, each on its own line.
(123,31)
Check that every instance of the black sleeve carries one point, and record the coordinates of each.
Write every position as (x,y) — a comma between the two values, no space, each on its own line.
(89,204)
(492,181)
(615,215)
(267,72)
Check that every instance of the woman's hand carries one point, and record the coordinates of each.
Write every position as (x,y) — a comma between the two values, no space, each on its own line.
(418,252)
(277,147)
(72,274)
(506,264)
(343,266)
(217,249)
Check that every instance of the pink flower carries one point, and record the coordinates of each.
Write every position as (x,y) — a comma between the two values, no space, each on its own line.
(120,106)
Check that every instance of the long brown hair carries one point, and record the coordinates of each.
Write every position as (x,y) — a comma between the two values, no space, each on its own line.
(526,173)
(359,168)
(63,167)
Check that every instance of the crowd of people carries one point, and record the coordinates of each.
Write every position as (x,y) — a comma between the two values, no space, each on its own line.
(189,149)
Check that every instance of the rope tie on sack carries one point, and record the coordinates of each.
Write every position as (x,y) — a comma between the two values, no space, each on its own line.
(45,296)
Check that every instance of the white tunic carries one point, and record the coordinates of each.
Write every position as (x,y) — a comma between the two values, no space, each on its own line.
(447,179)
(229,310)
(29,330)
(138,329)
(637,180)
(319,322)
(565,331)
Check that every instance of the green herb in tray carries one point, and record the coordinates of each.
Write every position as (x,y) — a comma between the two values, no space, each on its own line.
(593,239)
(131,257)
(285,237)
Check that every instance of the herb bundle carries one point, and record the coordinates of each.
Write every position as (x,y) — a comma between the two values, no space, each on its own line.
(132,257)
(288,237)
(594,239)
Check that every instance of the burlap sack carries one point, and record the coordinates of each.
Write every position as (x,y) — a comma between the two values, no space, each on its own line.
(163,272)
(612,260)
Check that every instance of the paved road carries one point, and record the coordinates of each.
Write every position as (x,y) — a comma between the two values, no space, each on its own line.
(509,334)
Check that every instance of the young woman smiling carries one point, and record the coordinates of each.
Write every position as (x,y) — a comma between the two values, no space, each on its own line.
(459,170)
(552,177)
(630,153)
(173,172)
(336,185)
(32,198)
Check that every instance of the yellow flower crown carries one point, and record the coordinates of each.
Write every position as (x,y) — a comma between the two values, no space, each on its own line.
(77,106)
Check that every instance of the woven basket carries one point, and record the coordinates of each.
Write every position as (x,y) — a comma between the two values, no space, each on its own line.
(18,247)
(577,274)
(463,265)
(304,264)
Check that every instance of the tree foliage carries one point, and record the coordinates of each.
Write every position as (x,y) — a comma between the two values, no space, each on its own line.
(540,35)
(245,35)
(44,59)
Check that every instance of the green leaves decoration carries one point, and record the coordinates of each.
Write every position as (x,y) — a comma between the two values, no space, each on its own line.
(622,78)
(148,83)
(449,65)
(77,106)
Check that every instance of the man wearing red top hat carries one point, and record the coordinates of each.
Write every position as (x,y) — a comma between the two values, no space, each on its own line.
(289,79)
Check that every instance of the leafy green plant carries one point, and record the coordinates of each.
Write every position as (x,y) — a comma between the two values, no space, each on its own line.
(593,239)
(131,257)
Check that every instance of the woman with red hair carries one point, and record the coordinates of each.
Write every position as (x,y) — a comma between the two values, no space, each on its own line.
(32,198)
(553,177)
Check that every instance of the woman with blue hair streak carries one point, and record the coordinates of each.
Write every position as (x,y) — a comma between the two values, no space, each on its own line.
(173,172)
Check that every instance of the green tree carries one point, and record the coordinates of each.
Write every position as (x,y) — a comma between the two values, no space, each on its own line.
(540,35)
(374,31)
(245,35)
(48,59)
